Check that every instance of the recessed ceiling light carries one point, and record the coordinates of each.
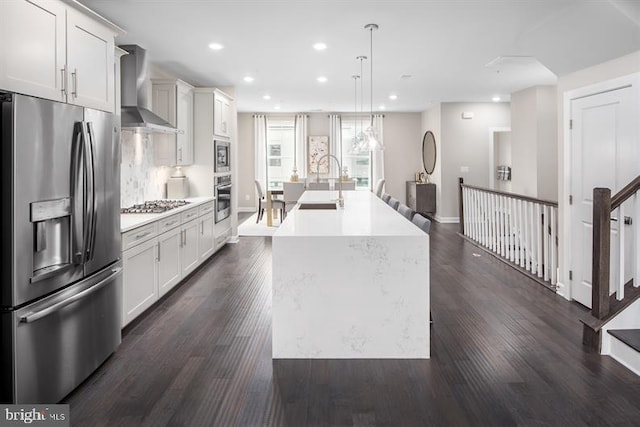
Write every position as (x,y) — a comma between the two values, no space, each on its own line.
(320,46)
(382,107)
(277,107)
(393,97)
(322,79)
(496,99)
(266,97)
(215,46)
(248,79)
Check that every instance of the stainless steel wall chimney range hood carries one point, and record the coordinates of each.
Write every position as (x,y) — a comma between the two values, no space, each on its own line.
(134,81)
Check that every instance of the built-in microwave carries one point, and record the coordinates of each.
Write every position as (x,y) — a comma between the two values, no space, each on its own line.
(222,153)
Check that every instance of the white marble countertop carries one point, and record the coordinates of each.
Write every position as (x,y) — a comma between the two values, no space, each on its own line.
(134,220)
(363,214)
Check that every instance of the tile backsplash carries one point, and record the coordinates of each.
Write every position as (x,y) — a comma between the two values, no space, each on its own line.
(140,179)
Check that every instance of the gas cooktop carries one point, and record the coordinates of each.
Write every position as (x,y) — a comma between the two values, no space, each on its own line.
(155,206)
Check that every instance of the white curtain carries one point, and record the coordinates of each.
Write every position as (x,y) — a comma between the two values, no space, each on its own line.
(300,144)
(377,156)
(260,141)
(335,143)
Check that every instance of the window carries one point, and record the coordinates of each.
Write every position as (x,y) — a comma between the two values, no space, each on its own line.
(280,151)
(357,163)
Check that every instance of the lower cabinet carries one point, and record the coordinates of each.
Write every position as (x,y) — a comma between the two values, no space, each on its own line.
(189,253)
(140,279)
(157,256)
(169,270)
(205,243)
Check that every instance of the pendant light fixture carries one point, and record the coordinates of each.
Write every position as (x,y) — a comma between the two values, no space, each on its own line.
(359,138)
(371,132)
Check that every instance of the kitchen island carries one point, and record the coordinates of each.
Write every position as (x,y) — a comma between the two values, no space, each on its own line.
(350,282)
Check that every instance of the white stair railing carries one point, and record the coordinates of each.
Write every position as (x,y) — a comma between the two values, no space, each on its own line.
(520,229)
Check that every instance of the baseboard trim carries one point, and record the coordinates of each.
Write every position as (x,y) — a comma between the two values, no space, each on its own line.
(251,210)
(447,219)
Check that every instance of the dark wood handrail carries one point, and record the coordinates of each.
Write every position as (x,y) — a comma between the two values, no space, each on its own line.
(621,196)
(513,195)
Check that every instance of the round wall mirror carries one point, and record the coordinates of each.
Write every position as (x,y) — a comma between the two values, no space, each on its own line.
(429,152)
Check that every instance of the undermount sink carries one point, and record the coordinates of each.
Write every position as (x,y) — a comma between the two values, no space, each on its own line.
(324,206)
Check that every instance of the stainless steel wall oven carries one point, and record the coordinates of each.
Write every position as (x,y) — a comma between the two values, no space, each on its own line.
(223,197)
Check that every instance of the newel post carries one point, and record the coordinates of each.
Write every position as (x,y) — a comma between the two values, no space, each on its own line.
(600,265)
(461,205)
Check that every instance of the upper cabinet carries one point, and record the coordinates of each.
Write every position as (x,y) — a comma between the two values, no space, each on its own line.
(221,114)
(52,50)
(173,101)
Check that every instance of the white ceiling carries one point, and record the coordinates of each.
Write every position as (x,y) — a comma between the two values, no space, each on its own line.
(443,45)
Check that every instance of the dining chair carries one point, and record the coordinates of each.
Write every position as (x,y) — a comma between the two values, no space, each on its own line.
(386,197)
(346,185)
(275,203)
(422,222)
(313,186)
(291,193)
(379,187)
(393,202)
(406,211)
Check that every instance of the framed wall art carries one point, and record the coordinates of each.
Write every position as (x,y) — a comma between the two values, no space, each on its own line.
(318,147)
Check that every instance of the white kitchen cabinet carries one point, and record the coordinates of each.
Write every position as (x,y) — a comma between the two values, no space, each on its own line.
(158,255)
(38,70)
(173,101)
(140,279)
(51,50)
(206,242)
(169,266)
(189,256)
(221,114)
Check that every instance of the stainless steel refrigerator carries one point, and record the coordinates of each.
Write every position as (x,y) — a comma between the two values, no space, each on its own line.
(60,290)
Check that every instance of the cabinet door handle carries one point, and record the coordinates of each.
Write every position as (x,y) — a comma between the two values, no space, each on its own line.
(63,80)
(140,236)
(158,259)
(180,154)
(74,78)
(202,227)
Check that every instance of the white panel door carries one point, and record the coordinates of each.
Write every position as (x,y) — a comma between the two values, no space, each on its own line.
(140,280)
(169,269)
(90,51)
(189,254)
(206,244)
(604,153)
(33,48)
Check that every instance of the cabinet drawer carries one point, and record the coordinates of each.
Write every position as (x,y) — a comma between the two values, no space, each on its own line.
(189,215)
(206,208)
(168,223)
(139,235)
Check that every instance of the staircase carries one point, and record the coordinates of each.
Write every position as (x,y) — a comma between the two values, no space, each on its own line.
(614,326)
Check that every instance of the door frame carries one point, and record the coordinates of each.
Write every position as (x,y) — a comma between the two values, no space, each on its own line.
(492,139)
(565,285)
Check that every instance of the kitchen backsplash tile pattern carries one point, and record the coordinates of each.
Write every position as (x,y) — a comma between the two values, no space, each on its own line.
(140,179)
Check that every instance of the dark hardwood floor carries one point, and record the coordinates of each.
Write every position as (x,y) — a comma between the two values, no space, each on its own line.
(505,351)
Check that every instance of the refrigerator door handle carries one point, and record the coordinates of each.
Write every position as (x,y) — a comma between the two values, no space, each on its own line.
(87,196)
(77,156)
(32,317)
(92,201)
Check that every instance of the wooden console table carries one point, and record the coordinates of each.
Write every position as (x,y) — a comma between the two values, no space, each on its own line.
(421,197)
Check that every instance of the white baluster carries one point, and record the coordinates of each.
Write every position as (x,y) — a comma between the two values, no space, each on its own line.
(494,234)
(512,223)
(532,245)
(476,215)
(545,234)
(620,285)
(485,228)
(527,232)
(539,212)
(501,225)
(517,228)
(554,252)
(523,237)
(636,227)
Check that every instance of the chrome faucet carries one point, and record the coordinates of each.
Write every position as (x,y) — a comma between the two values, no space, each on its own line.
(340,198)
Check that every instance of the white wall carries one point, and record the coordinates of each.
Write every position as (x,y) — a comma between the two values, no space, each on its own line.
(402,139)
(534,142)
(619,67)
(432,120)
(465,143)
